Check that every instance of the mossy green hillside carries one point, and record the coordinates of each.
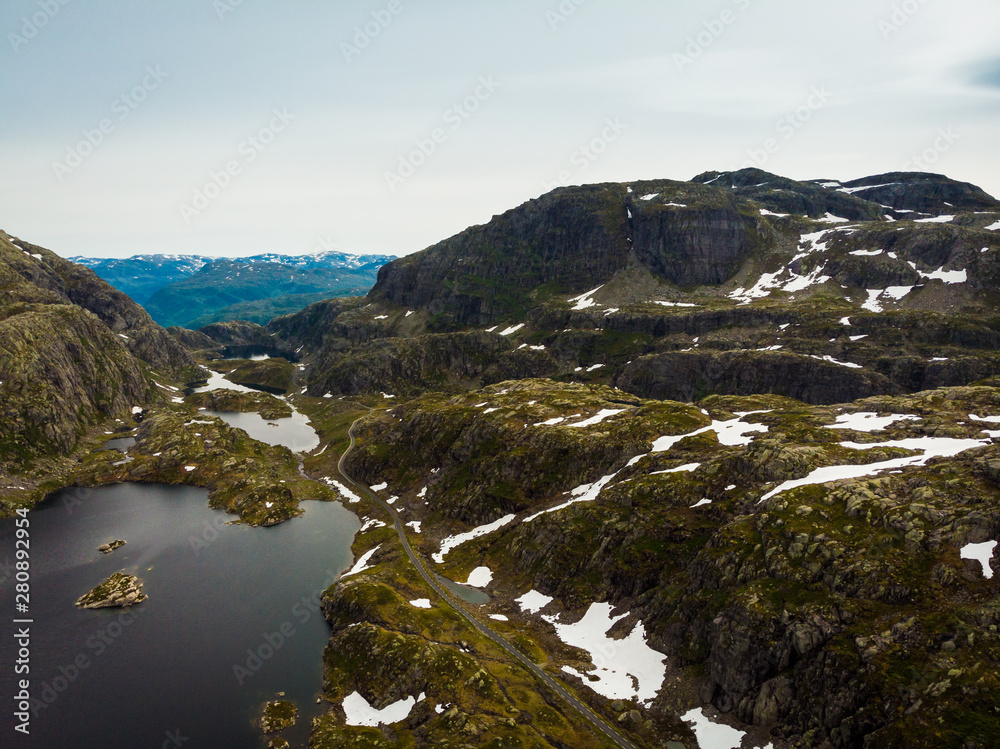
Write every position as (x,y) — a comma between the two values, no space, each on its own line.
(768,609)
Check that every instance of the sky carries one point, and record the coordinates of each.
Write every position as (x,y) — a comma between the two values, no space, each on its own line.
(236,127)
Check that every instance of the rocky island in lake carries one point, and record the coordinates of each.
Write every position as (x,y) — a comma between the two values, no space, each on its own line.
(118,591)
(109,547)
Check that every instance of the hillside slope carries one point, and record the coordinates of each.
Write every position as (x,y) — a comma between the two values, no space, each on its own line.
(73,352)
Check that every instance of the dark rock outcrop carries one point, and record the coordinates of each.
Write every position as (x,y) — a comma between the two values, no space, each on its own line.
(922,192)
(409,365)
(783,195)
(695,375)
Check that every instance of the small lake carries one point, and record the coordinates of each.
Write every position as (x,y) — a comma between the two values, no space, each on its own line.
(295,433)
(468,594)
(216,591)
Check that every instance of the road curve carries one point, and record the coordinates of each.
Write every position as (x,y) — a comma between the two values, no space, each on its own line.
(600,724)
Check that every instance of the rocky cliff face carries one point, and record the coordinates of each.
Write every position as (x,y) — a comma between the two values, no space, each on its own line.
(693,376)
(566,239)
(572,240)
(73,352)
(686,234)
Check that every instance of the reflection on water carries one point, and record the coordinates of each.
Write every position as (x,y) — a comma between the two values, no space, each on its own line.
(232,618)
(295,433)
(122,444)
(469,595)
(217,381)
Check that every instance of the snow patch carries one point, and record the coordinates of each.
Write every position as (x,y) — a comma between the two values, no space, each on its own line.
(689,468)
(583,493)
(597,418)
(344,491)
(362,564)
(831,360)
(480,577)
(931,447)
(584,301)
(624,669)
(532,602)
(360,713)
(981,553)
(453,542)
(868,421)
(712,735)
(948,276)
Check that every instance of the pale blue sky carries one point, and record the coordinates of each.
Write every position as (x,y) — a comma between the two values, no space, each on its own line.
(841,89)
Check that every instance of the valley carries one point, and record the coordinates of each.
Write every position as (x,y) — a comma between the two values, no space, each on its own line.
(717,463)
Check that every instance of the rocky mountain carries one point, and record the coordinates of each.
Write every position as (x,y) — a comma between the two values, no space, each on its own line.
(693,236)
(735,283)
(193,290)
(74,352)
(751,416)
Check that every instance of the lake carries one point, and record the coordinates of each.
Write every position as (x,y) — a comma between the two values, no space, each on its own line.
(178,662)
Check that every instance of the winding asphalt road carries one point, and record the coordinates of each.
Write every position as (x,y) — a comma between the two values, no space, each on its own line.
(484,630)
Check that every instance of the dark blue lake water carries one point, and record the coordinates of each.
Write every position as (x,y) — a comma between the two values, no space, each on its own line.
(176,666)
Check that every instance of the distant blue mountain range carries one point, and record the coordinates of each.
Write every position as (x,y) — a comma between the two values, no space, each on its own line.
(196,290)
